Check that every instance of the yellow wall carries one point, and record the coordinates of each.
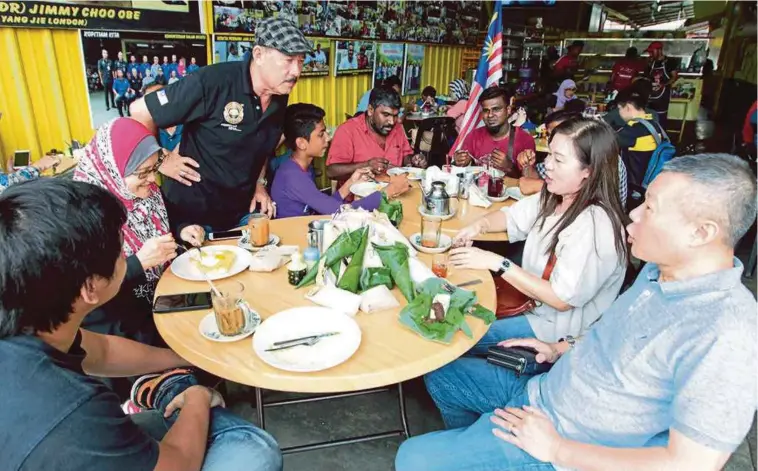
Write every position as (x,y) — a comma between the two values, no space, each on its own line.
(43,92)
(339,95)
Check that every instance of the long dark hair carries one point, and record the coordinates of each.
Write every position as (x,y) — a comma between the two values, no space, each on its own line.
(596,148)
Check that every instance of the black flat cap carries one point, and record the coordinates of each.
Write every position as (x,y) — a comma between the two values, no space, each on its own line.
(282,35)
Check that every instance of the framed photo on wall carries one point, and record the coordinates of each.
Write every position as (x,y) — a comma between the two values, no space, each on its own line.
(354,57)
(120,65)
(389,62)
(414,61)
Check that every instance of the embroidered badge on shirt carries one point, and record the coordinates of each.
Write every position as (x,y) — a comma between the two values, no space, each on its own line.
(162,98)
(233,113)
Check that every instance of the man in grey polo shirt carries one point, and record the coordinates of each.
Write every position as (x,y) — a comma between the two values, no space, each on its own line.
(666,379)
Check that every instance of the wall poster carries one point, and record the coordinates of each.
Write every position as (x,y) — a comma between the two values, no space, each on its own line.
(438,22)
(389,62)
(414,61)
(353,57)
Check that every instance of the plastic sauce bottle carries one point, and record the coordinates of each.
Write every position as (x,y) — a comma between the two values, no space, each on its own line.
(311,257)
(296,269)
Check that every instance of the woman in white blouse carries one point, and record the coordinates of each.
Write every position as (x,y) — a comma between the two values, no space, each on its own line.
(578,216)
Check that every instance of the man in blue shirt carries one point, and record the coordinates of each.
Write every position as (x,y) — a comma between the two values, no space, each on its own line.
(68,419)
(666,379)
(166,67)
(119,64)
(193,67)
(132,65)
(393,82)
(174,65)
(144,65)
(349,61)
(319,55)
(156,65)
(123,92)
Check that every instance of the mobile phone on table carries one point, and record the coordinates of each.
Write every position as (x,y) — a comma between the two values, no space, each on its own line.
(225,235)
(21,158)
(182,302)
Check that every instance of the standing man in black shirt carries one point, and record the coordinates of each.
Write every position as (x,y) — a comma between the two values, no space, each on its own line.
(57,414)
(105,71)
(233,116)
(119,64)
(662,74)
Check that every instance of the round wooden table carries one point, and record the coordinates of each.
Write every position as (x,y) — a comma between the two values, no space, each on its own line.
(389,352)
(466,213)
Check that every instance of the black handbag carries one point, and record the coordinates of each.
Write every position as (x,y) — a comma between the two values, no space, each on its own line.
(522,360)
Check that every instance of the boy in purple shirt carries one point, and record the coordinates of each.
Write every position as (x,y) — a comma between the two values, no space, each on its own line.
(294,190)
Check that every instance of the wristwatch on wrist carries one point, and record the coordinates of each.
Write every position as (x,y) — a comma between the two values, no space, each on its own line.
(505,265)
(262,181)
(569,339)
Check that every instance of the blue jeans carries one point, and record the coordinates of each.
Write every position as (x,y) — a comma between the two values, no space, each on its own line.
(234,444)
(466,392)
(509,328)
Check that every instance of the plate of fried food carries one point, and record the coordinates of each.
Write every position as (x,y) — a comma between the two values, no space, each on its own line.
(211,263)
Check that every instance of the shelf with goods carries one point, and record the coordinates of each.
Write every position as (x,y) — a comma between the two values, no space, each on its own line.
(524,48)
(600,54)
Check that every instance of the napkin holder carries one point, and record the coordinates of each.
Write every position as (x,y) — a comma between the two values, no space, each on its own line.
(271,258)
(477,197)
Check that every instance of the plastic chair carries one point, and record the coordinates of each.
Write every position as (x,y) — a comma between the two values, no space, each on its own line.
(442,128)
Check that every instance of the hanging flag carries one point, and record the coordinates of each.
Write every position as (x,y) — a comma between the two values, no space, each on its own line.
(488,73)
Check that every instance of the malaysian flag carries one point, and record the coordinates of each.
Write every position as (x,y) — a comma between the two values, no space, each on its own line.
(488,73)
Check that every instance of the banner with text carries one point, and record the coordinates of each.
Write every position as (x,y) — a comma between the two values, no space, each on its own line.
(136,15)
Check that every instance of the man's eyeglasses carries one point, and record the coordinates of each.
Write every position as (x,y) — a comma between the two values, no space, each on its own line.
(143,174)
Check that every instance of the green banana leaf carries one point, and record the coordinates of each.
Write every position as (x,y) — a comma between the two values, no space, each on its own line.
(352,276)
(393,209)
(343,246)
(395,257)
(372,277)
(462,302)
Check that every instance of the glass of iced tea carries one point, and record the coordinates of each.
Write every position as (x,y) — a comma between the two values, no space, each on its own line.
(495,187)
(258,227)
(439,265)
(431,230)
(230,317)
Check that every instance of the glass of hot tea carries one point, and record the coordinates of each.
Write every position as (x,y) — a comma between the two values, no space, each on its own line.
(431,230)
(259,232)
(227,299)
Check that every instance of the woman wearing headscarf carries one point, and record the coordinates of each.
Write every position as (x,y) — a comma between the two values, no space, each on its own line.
(566,92)
(123,158)
(459,91)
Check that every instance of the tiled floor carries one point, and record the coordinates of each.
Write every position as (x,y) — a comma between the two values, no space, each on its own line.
(307,423)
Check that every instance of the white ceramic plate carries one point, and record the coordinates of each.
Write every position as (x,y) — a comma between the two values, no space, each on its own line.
(244,241)
(498,199)
(302,322)
(209,329)
(422,211)
(445,243)
(183,267)
(414,174)
(364,189)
